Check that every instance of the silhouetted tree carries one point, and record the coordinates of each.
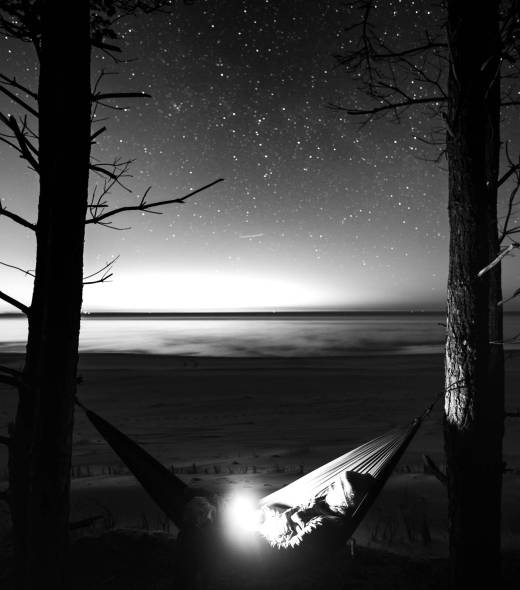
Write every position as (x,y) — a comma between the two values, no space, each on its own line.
(54,136)
(462,67)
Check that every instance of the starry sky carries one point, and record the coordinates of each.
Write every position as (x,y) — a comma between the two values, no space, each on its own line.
(314,213)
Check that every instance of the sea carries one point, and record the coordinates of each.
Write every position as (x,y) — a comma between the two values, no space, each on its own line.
(258,335)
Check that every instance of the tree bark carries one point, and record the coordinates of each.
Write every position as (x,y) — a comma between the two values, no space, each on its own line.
(474,404)
(42,444)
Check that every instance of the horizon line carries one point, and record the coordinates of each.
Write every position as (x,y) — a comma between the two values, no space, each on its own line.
(274,312)
(248,312)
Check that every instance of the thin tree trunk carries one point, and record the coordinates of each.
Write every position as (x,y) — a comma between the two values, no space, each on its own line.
(474,404)
(41,454)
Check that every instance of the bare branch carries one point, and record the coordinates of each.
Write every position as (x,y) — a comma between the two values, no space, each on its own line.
(104,271)
(23,270)
(395,75)
(512,340)
(14,302)
(109,225)
(394,54)
(97,134)
(5,139)
(19,101)
(507,175)
(16,218)
(106,48)
(392,106)
(26,148)
(144,206)
(100,96)
(514,169)
(497,260)
(14,82)
(104,279)
(115,171)
(506,230)
(504,301)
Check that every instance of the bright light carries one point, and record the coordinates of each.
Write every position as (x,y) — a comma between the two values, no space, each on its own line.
(188,291)
(242,515)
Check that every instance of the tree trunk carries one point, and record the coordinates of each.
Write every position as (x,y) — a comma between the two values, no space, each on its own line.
(474,404)
(42,445)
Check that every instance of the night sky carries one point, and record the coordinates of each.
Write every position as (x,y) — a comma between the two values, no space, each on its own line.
(314,213)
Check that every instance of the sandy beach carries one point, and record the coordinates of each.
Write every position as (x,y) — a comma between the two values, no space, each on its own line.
(226,424)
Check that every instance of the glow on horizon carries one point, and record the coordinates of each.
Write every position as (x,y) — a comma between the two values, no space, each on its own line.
(208,291)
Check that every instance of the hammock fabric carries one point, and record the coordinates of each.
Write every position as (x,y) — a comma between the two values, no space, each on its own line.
(343,488)
(165,488)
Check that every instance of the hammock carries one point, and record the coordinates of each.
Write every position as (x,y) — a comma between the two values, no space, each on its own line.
(370,464)
(374,461)
(166,489)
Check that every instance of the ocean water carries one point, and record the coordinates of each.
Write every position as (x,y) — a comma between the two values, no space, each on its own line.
(247,336)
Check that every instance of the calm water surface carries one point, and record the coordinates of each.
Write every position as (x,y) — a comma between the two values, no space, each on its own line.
(302,335)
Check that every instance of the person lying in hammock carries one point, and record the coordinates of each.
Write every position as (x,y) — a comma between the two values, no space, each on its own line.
(287,528)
